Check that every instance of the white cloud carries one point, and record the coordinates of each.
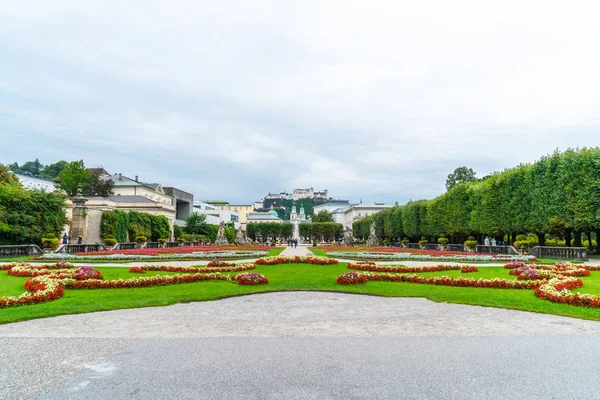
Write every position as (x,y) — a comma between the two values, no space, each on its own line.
(382,98)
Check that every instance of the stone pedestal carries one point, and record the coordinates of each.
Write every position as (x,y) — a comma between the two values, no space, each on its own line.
(372,241)
(78,221)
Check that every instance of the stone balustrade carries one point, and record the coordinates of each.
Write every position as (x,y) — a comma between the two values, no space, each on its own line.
(27,250)
(80,248)
(432,246)
(563,253)
(455,247)
(507,250)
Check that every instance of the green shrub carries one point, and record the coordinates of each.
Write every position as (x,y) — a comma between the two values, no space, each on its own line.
(443,240)
(162,240)
(141,239)
(50,243)
(423,242)
(471,244)
(50,236)
(110,241)
(405,240)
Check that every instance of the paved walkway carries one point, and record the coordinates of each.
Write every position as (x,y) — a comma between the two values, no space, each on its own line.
(298,251)
(301,345)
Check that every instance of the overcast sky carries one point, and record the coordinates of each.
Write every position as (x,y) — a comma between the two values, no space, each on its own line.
(231,100)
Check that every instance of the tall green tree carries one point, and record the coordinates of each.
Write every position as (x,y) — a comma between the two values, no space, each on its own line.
(323,216)
(195,224)
(460,175)
(51,171)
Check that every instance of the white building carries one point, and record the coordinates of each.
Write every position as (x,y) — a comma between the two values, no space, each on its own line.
(124,186)
(214,215)
(31,183)
(359,211)
(332,206)
(258,217)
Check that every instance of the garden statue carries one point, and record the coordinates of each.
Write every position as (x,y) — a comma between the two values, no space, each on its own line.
(221,239)
(240,237)
(348,238)
(372,241)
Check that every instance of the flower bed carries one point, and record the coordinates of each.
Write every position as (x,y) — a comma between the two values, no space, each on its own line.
(351,278)
(48,282)
(468,269)
(371,266)
(39,290)
(426,257)
(296,260)
(159,280)
(121,256)
(169,268)
(252,279)
(180,250)
(558,291)
(382,249)
(220,263)
(497,283)
(548,271)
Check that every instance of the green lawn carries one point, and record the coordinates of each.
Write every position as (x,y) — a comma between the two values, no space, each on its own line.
(286,277)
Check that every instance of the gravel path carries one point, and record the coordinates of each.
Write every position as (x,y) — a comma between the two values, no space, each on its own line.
(301,345)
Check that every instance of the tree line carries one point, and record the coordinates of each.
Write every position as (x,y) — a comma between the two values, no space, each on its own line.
(26,216)
(558,195)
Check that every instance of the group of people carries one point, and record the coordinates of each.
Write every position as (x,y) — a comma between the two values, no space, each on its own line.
(66,239)
(293,243)
(492,242)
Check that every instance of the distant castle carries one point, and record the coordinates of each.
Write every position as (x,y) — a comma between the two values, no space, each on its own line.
(275,200)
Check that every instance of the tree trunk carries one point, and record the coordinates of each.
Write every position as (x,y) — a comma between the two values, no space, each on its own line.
(589,237)
(541,239)
(568,237)
(577,237)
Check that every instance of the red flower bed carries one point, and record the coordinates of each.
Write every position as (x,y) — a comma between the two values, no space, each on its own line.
(371,266)
(144,282)
(191,270)
(382,249)
(296,260)
(351,278)
(252,279)
(468,269)
(220,263)
(37,292)
(457,281)
(178,250)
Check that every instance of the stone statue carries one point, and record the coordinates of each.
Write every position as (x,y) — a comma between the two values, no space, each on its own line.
(240,237)
(348,238)
(372,241)
(221,239)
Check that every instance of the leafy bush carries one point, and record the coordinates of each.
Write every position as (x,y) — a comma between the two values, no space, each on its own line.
(162,240)
(423,242)
(49,243)
(26,216)
(110,241)
(443,240)
(141,239)
(471,244)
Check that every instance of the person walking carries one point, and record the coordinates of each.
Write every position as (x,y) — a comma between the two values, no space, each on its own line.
(493,241)
(486,241)
(65,238)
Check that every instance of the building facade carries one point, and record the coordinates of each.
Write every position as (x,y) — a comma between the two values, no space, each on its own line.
(359,211)
(96,205)
(124,186)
